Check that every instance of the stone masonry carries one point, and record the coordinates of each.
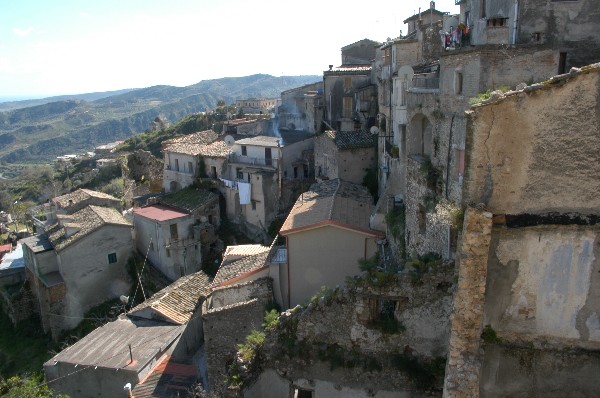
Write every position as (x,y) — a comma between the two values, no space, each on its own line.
(464,362)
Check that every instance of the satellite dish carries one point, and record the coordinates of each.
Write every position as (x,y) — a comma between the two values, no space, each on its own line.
(374,130)
(406,72)
(229,140)
(124,299)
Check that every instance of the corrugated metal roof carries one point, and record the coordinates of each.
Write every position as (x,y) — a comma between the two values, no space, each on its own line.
(159,212)
(108,345)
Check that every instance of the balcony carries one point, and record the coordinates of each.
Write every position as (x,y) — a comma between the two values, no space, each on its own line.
(428,81)
(247,160)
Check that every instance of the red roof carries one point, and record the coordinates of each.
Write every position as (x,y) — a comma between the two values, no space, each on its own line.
(5,248)
(159,212)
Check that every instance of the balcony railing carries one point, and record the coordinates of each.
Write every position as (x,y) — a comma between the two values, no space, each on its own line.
(235,158)
(425,81)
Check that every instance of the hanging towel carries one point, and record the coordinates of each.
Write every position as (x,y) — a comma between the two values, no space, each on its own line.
(244,189)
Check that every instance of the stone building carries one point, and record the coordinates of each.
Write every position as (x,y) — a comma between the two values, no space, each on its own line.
(346,155)
(325,235)
(257,105)
(177,232)
(258,166)
(260,125)
(529,265)
(492,52)
(182,159)
(151,348)
(302,108)
(78,263)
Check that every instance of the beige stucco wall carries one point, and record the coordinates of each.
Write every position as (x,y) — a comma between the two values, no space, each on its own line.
(185,175)
(89,278)
(324,256)
(537,152)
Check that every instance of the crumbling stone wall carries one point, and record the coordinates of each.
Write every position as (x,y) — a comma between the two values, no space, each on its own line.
(335,348)
(463,366)
(229,315)
(143,164)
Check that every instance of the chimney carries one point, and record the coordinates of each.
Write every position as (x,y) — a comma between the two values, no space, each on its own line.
(330,67)
(432,5)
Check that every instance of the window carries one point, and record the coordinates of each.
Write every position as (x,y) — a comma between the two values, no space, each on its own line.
(213,171)
(562,63)
(190,168)
(496,22)
(239,174)
(295,171)
(347,83)
(402,93)
(347,107)
(176,164)
(173,229)
(482,5)
(253,204)
(303,393)
(168,252)
(244,150)
(458,82)
(112,258)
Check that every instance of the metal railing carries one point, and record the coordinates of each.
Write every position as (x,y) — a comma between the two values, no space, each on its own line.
(235,158)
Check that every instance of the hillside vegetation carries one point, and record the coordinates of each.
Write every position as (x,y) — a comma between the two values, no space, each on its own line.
(42,132)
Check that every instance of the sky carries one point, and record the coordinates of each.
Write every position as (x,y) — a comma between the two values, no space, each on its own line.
(55,47)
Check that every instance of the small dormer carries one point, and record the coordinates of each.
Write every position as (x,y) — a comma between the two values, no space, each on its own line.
(64,219)
(71,229)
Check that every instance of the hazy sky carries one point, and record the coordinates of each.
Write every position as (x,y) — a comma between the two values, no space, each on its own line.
(51,47)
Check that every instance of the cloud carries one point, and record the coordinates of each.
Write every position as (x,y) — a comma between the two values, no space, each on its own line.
(22,32)
(84,14)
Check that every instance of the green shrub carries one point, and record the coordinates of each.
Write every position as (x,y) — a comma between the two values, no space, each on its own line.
(489,335)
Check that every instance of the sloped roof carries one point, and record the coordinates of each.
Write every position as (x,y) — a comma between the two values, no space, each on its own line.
(188,199)
(190,144)
(167,379)
(87,220)
(217,149)
(261,140)
(108,345)
(334,202)
(70,199)
(425,13)
(159,212)
(239,261)
(352,139)
(177,302)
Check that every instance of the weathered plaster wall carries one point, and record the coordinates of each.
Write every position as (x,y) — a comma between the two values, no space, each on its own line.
(545,281)
(537,151)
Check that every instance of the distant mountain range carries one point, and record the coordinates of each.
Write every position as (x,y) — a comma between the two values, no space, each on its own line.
(40,130)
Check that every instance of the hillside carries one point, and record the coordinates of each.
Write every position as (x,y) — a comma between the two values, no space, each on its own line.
(42,132)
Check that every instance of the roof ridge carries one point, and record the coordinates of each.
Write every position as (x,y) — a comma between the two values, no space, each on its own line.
(339,183)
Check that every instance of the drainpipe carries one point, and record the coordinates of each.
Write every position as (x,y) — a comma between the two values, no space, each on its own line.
(516,21)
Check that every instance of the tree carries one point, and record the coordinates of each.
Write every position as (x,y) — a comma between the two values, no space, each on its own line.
(29,387)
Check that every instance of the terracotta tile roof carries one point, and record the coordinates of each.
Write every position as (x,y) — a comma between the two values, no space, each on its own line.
(188,199)
(167,379)
(352,139)
(190,144)
(86,220)
(261,140)
(70,199)
(217,149)
(240,260)
(177,302)
(331,202)
(159,212)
